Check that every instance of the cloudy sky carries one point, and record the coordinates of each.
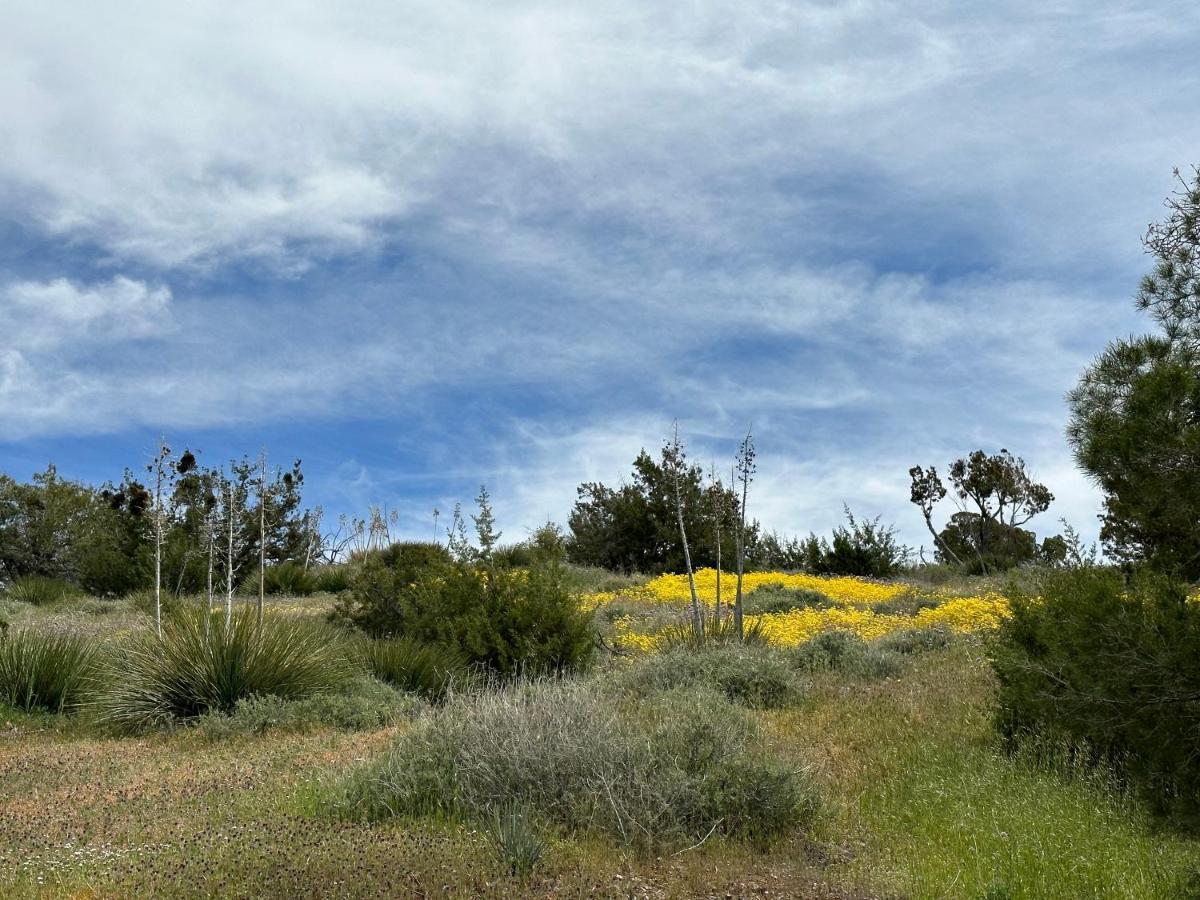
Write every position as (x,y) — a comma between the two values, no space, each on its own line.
(424,246)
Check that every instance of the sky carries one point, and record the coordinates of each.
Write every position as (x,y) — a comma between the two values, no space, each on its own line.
(427,246)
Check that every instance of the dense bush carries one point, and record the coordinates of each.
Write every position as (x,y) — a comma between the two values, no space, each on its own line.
(677,769)
(289,579)
(1114,669)
(752,676)
(508,620)
(381,582)
(866,548)
(846,652)
(45,670)
(362,703)
(331,579)
(39,590)
(201,665)
(424,669)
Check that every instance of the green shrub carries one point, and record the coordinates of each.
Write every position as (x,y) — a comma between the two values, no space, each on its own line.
(362,704)
(289,579)
(669,773)
(332,579)
(847,653)
(753,676)
(910,641)
(45,670)
(381,581)
(776,598)
(1112,668)
(424,669)
(201,665)
(143,602)
(508,620)
(40,590)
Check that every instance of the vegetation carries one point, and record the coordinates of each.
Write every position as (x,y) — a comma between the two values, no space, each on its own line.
(40,670)
(201,664)
(424,669)
(669,774)
(1112,670)
(1135,415)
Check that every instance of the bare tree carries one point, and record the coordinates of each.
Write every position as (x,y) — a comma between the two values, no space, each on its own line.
(161,469)
(231,506)
(743,474)
(673,454)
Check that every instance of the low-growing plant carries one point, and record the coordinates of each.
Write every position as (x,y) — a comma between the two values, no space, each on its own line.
(847,653)
(906,604)
(669,772)
(754,676)
(40,590)
(361,704)
(428,670)
(45,670)
(289,579)
(910,641)
(516,839)
(333,579)
(777,598)
(200,664)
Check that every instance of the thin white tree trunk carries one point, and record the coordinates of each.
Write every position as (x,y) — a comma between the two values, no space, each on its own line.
(262,534)
(229,561)
(697,616)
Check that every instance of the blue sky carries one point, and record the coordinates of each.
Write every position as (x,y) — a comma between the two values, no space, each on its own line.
(424,246)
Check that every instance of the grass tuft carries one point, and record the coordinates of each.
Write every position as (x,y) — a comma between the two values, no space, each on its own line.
(45,670)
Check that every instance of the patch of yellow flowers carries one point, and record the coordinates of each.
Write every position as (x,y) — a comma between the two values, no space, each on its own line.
(853,599)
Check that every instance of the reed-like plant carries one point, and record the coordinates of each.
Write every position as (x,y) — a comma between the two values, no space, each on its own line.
(45,670)
(425,669)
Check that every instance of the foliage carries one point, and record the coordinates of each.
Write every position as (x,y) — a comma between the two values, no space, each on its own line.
(201,665)
(1004,496)
(331,578)
(910,641)
(39,590)
(633,528)
(865,549)
(424,669)
(754,676)
(684,766)
(287,578)
(45,670)
(382,584)
(516,839)
(846,652)
(773,552)
(363,703)
(777,598)
(510,621)
(1113,669)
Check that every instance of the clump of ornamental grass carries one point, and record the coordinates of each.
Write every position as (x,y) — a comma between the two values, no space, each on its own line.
(202,665)
(670,771)
(40,590)
(712,633)
(45,670)
(429,670)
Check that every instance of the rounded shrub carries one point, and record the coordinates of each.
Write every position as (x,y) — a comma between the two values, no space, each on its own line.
(777,598)
(670,772)
(45,670)
(753,676)
(910,641)
(200,665)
